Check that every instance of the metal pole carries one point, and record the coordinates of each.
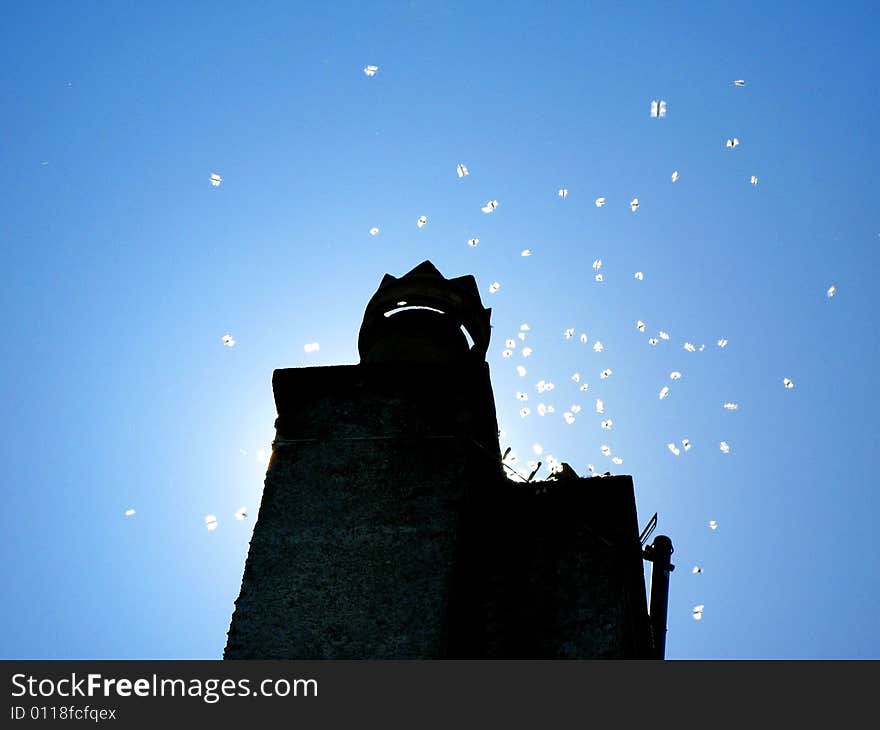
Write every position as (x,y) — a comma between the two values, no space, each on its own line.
(660,553)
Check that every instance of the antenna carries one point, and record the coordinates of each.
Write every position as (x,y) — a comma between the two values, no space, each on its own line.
(649,528)
(531,476)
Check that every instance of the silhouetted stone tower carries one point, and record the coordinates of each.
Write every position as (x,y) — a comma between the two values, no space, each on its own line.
(388,530)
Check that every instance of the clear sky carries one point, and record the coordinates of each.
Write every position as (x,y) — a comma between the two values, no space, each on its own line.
(124,267)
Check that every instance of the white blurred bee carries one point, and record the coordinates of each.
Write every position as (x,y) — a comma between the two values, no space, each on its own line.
(606,451)
(421,221)
(600,202)
(526,252)
(523,412)
(731,143)
(563,193)
(129,512)
(507,353)
(697,570)
(634,204)
(597,264)
(739,82)
(462,170)
(713,525)
(489,206)
(754,180)
(472,242)
(725,447)
(722,342)
(599,278)
(787,382)
(575,408)
(616,460)
(658,109)
(673,448)
(686,444)
(240,513)
(640,326)
(675,176)
(584,337)
(521,371)
(598,346)
(576,377)
(526,351)
(510,343)
(371,70)
(542,409)
(600,406)
(374,231)
(520,395)
(832,290)
(664,391)
(606,373)
(698,612)
(211,522)
(663,335)
(675,375)
(215,179)
(731,406)
(311,347)
(569,333)
(607,424)
(569,417)
(538,449)
(494,287)
(689,347)
(228,340)
(584,387)
(638,276)
(653,341)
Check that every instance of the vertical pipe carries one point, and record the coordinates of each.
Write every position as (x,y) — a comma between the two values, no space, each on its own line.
(660,554)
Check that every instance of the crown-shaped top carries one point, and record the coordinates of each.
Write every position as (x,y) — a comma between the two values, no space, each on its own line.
(426,287)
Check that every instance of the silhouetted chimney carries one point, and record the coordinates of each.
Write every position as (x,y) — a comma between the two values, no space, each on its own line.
(388,529)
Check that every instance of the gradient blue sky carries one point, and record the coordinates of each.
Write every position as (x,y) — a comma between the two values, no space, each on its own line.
(124,267)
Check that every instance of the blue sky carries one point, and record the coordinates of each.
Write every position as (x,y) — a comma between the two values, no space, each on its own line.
(125,267)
